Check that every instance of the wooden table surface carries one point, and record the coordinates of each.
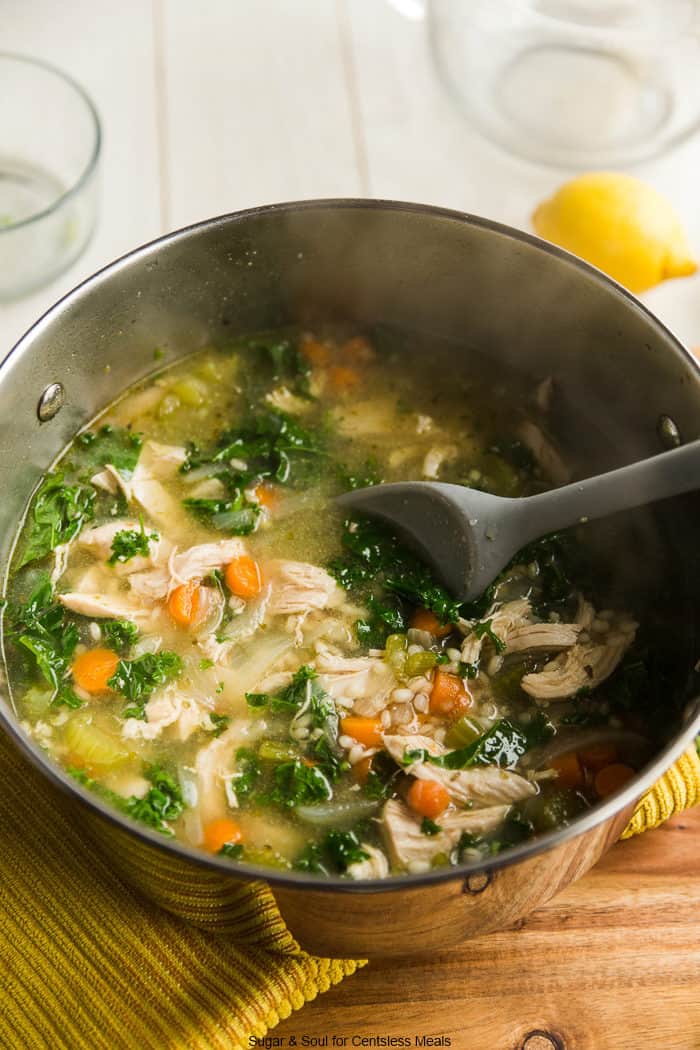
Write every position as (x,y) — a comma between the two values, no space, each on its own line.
(613,963)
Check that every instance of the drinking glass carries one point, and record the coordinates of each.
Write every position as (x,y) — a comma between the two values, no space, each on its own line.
(49,153)
(575,83)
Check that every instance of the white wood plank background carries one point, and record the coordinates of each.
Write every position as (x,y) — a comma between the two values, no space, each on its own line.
(216,106)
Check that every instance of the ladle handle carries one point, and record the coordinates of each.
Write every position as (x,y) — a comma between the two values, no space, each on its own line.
(661,476)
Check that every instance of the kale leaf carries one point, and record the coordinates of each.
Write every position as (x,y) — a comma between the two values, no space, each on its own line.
(130,543)
(162,802)
(334,854)
(119,635)
(219,722)
(58,513)
(269,445)
(137,679)
(238,517)
(42,629)
(298,784)
(115,445)
(502,745)
(383,574)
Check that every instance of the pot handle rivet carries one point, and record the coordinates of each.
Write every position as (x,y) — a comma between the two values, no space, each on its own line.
(50,402)
(539,1040)
(669,434)
(477,882)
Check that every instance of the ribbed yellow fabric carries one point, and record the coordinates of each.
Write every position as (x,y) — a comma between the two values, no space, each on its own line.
(678,789)
(86,964)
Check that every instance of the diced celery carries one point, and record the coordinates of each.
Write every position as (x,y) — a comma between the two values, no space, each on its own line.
(419,663)
(463,732)
(396,643)
(35,703)
(93,745)
(276,751)
(191,391)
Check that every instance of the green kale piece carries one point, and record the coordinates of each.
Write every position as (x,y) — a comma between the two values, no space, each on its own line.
(115,445)
(57,514)
(119,635)
(137,679)
(42,629)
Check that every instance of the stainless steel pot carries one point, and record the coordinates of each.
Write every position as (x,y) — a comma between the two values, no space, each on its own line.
(533,311)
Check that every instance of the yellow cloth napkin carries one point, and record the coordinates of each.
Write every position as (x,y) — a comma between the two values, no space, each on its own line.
(86,964)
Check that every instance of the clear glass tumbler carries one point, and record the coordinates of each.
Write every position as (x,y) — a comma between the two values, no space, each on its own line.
(575,83)
(49,154)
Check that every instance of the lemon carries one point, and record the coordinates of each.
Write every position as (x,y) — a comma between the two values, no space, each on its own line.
(619,224)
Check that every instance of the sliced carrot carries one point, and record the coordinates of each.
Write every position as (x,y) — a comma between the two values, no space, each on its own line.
(448,697)
(569,772)
(221,832)
(358,349)
(610,779)
(315,351)
(342,379)
(93,669)
(267,496)
(428,798)
(243,577)
(367,731)
(186,604)
(598,755)
(425,620)
(361,770)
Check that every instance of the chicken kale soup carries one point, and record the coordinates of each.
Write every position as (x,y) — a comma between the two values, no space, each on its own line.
(198,636)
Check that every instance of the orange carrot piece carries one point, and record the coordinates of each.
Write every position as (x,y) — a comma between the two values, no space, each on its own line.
(221,832)
(186,604)
(610,779)
(93,669)
(358,349)
(342,379)
(316,352)
(448,697)
(428,798)
(243,577)
(267,496)
(595,756)
(569,772)
(367,731)
(425,620)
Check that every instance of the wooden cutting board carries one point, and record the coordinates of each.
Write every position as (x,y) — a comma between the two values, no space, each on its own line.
(613,963)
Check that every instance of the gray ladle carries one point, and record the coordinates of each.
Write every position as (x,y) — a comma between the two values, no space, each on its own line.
(469,536)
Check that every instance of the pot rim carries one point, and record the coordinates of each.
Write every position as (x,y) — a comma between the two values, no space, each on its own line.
(239,870)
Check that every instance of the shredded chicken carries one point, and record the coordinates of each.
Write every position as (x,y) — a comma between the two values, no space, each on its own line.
(585,665)
(284,400)
(478,786)
(104,606)
(546,455)
(375,866)
(504,619)
(99,540)
(157,463)
(298,586)
(167,708)
(414,851)
(365,679)
(200,561)
(545,637)
(436,457)
(109,479)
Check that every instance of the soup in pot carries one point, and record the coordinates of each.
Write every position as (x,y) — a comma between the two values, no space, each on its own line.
(199,637)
